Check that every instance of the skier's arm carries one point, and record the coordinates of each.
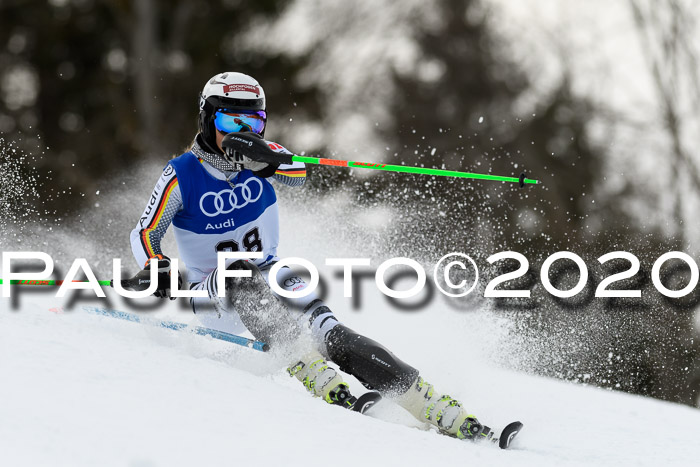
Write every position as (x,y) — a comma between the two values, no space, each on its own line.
(164,203)
(293,174)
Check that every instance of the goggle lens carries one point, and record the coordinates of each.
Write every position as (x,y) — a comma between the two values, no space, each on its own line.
(233,122)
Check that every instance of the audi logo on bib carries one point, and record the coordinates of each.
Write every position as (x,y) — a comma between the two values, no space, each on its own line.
(226,201)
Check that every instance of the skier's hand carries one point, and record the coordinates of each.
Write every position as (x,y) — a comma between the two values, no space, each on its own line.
(142,280)
(248,150)
(238,159)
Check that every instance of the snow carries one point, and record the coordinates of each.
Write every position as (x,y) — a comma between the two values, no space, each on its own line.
(77,389)
(81,389)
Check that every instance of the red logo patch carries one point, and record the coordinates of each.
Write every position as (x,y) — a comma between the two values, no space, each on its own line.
(333,162)
(242,87)
(367,164)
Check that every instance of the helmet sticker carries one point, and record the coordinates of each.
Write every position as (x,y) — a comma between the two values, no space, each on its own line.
(241,87)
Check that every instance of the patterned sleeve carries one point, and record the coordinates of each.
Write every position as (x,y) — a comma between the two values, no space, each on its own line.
(293,174)
(164,203)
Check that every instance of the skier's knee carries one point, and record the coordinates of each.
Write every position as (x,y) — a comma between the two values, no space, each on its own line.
(370,362)
(259,310)
(319,318)
(236,283)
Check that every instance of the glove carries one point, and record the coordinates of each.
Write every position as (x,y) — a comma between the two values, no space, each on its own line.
(238,159)
(248,150)
(142,280)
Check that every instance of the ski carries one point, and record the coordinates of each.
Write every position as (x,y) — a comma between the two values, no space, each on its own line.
(508,434)
(215,334)
(365,402)
(503,440)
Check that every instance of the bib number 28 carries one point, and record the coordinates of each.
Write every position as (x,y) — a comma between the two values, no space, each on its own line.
(251,242)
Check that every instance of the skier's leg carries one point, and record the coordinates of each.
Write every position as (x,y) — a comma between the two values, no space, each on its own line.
(270,320)
(370,362)
(214,312)
(374,365)
(379,369)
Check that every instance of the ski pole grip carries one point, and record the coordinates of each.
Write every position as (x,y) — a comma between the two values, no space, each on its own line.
(254,147)
(130,284)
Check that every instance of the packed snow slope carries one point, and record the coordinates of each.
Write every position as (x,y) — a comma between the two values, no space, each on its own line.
(79,389)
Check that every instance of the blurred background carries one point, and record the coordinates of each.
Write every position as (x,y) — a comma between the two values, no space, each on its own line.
(597,100)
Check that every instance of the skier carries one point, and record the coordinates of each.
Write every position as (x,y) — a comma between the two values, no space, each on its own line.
(222,200)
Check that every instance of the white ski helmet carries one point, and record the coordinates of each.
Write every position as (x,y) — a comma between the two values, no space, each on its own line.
(229,91)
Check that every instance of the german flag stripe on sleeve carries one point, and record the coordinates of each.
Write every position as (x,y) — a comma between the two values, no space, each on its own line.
(146,233)
(292,173)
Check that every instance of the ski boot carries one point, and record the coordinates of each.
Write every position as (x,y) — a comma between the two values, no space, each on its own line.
(323,381)
(442,412)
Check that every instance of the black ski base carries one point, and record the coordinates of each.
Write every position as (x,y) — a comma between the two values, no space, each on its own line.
(504,440)
(365,401)
(508,434)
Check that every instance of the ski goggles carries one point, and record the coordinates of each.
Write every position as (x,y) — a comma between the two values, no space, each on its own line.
(234,121)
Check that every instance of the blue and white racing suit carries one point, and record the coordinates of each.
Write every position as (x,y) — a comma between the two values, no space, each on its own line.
(213,211)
